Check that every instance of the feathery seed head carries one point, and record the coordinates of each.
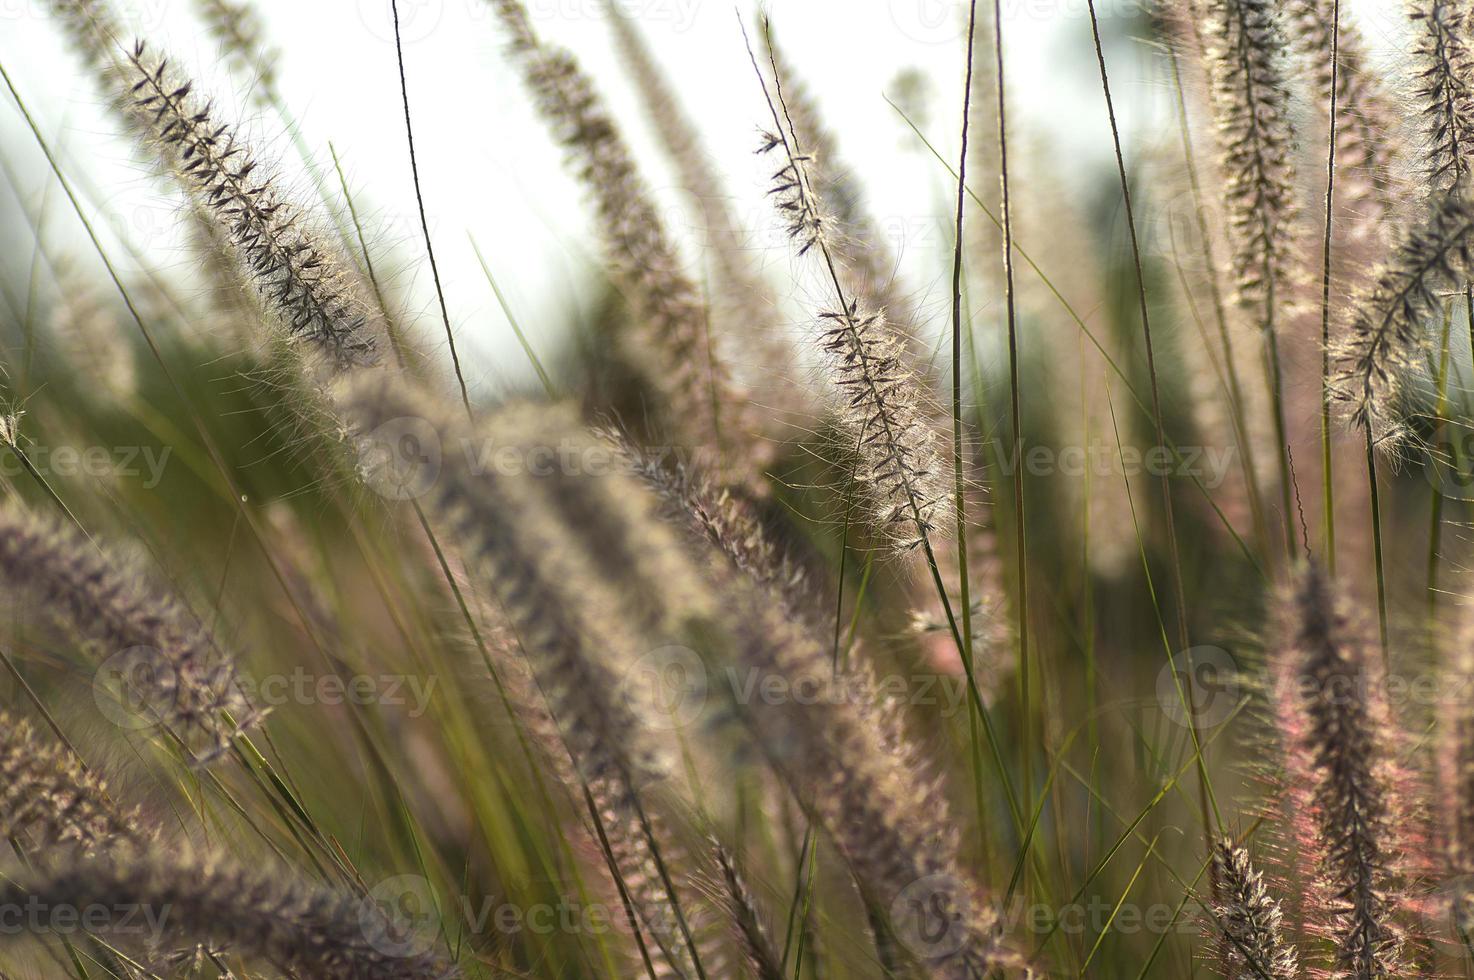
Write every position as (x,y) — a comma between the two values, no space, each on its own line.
(1354,804)
(1444,91)
(89,330)
(1368,125)
(297,927)
(45,792)
(731,895)
(1245,50)
(297,275)
(881,417)
(10,427)
(169,662)
(236,26)
(1248,921)
(796,199)
(1387,326)
(703,405)
(900,468)
(530,534)
(92,28)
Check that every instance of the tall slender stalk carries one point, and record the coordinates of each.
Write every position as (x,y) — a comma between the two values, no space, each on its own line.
(1020,520)
(1251,104)
(1328,494)
(960,503)
(414,166)
(1435,509)
(1220,313)
(1377,560)
(1178,594)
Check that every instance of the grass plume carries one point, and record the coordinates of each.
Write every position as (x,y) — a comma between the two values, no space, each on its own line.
(1251,941)
(1387,324)
(1354,806)
(168,661)
(49,796)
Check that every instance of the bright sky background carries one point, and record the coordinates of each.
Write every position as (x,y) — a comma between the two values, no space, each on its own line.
(488,167)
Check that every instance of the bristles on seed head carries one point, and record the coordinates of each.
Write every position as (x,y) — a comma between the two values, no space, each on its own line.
(703,406)
(1251,103)
(48,796)
(92,28)
(169,661)
(297,275)
(882,415)
(1354,804)
(1387,326)
(899,466)
(512,529)
(1443,93)
(269,916)
(1368,124)
(730,894)
(1247,921)
(236,26)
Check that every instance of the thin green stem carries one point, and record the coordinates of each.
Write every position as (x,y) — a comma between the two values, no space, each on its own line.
(1020,518)
(1376,519)
(964,586)
(1178,592)
(1435,510)
(1328,496)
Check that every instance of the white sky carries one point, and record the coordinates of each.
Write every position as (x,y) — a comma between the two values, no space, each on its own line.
(487,165)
